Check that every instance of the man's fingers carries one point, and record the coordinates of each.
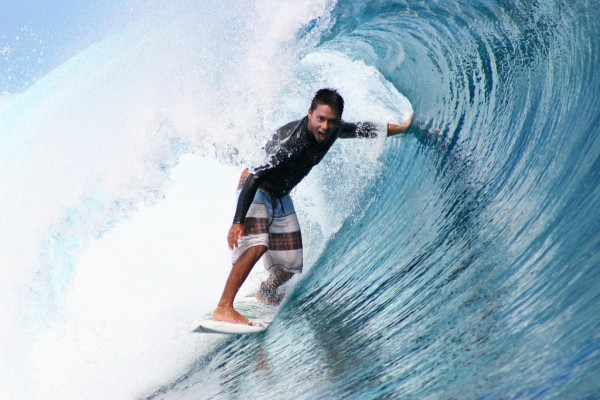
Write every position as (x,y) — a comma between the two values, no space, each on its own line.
(235,234)
(231,241)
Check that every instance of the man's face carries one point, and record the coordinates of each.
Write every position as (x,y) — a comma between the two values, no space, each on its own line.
(322,122)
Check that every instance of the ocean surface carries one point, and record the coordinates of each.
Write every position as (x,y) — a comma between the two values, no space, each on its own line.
(461,261)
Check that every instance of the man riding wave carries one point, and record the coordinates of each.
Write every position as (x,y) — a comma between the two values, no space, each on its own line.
(265,222)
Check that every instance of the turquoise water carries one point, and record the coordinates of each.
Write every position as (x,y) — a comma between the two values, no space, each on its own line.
(460,261)
(472,271)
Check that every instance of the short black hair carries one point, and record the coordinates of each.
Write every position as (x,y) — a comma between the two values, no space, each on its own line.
(328,97)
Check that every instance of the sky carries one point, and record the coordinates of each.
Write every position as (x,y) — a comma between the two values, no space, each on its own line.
(36,36)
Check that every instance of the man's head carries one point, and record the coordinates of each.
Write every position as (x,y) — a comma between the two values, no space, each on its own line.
(325,113)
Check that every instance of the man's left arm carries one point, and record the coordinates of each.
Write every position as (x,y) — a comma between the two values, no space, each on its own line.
(371,130)
(395,129)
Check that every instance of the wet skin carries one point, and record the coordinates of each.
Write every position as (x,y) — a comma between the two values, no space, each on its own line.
(322,121)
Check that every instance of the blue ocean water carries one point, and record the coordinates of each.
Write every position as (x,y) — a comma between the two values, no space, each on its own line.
(460,261)
(471,268)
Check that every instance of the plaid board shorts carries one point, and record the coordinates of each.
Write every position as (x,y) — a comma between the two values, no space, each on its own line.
(273,223)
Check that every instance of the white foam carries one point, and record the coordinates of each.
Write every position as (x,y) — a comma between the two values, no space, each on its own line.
(126,321)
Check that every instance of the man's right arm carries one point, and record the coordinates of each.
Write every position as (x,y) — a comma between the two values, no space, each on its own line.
(249,188)
(237,227)
(246,196)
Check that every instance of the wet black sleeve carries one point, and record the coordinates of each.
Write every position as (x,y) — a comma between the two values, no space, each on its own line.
(254,180)
(245,199)
(350,130)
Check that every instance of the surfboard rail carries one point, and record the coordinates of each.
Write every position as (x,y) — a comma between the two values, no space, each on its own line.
(228,328)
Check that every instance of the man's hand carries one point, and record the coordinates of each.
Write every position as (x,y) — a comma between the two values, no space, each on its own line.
(235,233)
(394,129)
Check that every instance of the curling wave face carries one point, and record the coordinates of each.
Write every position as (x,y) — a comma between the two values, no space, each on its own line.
(458,261)
(468,268)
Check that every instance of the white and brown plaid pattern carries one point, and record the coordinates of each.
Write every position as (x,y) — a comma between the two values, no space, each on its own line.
(285,241)
(256,226)
(278,230)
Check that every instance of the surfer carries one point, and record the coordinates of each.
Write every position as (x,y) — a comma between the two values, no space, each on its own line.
(265,222)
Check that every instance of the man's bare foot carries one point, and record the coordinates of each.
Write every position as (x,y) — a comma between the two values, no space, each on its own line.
(228,314)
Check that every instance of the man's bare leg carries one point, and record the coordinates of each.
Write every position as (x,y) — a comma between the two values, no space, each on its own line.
(237,276)
(269,293)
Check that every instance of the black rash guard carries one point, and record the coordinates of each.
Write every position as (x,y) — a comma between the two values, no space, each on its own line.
(294,151)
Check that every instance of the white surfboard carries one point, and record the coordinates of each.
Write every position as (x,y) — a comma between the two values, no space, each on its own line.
(260,314)
(212,326)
